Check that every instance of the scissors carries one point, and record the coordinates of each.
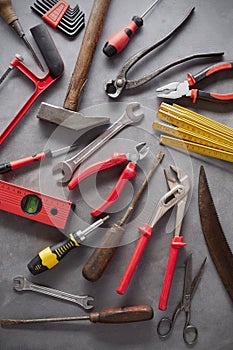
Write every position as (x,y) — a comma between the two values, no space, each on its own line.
(166,325)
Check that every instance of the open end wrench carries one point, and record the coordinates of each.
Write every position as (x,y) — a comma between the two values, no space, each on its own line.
(20,284)
(68,167)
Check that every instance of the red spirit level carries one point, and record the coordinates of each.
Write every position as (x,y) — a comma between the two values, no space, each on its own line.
(34,205)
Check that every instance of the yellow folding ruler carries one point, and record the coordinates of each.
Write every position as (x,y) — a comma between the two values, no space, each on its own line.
(194,132)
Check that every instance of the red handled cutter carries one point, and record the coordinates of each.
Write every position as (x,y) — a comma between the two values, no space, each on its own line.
(141,150)
(179,89)
(177,195)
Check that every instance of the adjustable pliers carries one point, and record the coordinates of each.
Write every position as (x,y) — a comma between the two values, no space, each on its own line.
(129,172)
(177,195)
(179,89)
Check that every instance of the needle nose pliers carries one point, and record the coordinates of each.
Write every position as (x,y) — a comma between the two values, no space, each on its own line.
(129,172)
(176,90)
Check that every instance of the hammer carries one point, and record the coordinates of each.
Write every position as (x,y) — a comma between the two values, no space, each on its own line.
(67,115)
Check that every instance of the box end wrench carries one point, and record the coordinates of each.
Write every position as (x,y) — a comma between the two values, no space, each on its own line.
(20,284)
(68,167)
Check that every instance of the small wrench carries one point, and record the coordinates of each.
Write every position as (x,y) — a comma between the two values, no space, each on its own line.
(20,284)
(69,166)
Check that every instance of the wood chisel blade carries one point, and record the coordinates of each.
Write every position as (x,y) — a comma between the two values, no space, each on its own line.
(215,239)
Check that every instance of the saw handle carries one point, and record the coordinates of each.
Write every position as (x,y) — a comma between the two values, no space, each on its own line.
(140,247)
(86,53)
(176,244)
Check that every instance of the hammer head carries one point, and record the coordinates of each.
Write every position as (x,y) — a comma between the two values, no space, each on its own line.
(69,119)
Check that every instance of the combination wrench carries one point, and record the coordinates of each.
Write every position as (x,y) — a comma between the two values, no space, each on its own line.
(68,167)
(20,284)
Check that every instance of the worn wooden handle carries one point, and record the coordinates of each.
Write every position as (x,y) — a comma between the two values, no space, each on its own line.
(98,261)
(87,50)
(7,12)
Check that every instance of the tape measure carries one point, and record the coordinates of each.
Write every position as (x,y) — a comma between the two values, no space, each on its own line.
(34,205)
(194,147)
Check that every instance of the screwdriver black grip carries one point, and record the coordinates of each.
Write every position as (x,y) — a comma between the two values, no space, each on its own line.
(118,41)
(5,167)
(50,256)
(98,261)
(48,50)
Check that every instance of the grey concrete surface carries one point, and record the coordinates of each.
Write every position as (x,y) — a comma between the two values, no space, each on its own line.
(209,29)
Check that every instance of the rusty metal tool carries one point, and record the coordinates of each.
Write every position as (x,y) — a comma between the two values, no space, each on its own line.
(125,314)
(58,14)
(217,244)
(177,193)
(68,167)
(67,116)
(8,14)
(20,284)
(115,87)
(100,258)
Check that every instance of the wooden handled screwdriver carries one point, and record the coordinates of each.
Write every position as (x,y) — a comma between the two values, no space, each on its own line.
(8,14)
(98,261)
(112,315)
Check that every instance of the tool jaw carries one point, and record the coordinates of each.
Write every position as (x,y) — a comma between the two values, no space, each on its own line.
(174,90)
(114,88)
(140,151)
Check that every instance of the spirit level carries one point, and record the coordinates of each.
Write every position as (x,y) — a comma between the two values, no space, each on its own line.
(34,205)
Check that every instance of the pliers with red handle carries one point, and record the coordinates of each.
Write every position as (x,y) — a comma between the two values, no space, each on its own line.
(177,195)
(140,151)
(179,89)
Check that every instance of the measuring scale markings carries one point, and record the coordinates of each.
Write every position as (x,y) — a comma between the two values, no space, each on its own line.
(34,205)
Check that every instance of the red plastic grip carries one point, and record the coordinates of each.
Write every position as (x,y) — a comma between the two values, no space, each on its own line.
(128,173)
(120,39)
(116,159)
(176,244)
(138,251)
(55,14)
(24,161)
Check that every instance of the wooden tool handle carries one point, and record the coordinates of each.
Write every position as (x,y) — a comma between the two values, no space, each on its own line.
(123,314)
(98,261)
(87,50)
(7,12)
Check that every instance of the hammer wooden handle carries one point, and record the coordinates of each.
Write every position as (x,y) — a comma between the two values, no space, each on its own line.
(7,12)
(87,50)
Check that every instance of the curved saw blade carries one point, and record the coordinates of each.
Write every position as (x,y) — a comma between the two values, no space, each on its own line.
(215,239)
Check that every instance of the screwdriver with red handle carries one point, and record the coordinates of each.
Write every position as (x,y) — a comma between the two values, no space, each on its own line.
(19,163)
(118,41)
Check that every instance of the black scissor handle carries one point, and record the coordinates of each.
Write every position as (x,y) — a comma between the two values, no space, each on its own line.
(165,327)
(190,334)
